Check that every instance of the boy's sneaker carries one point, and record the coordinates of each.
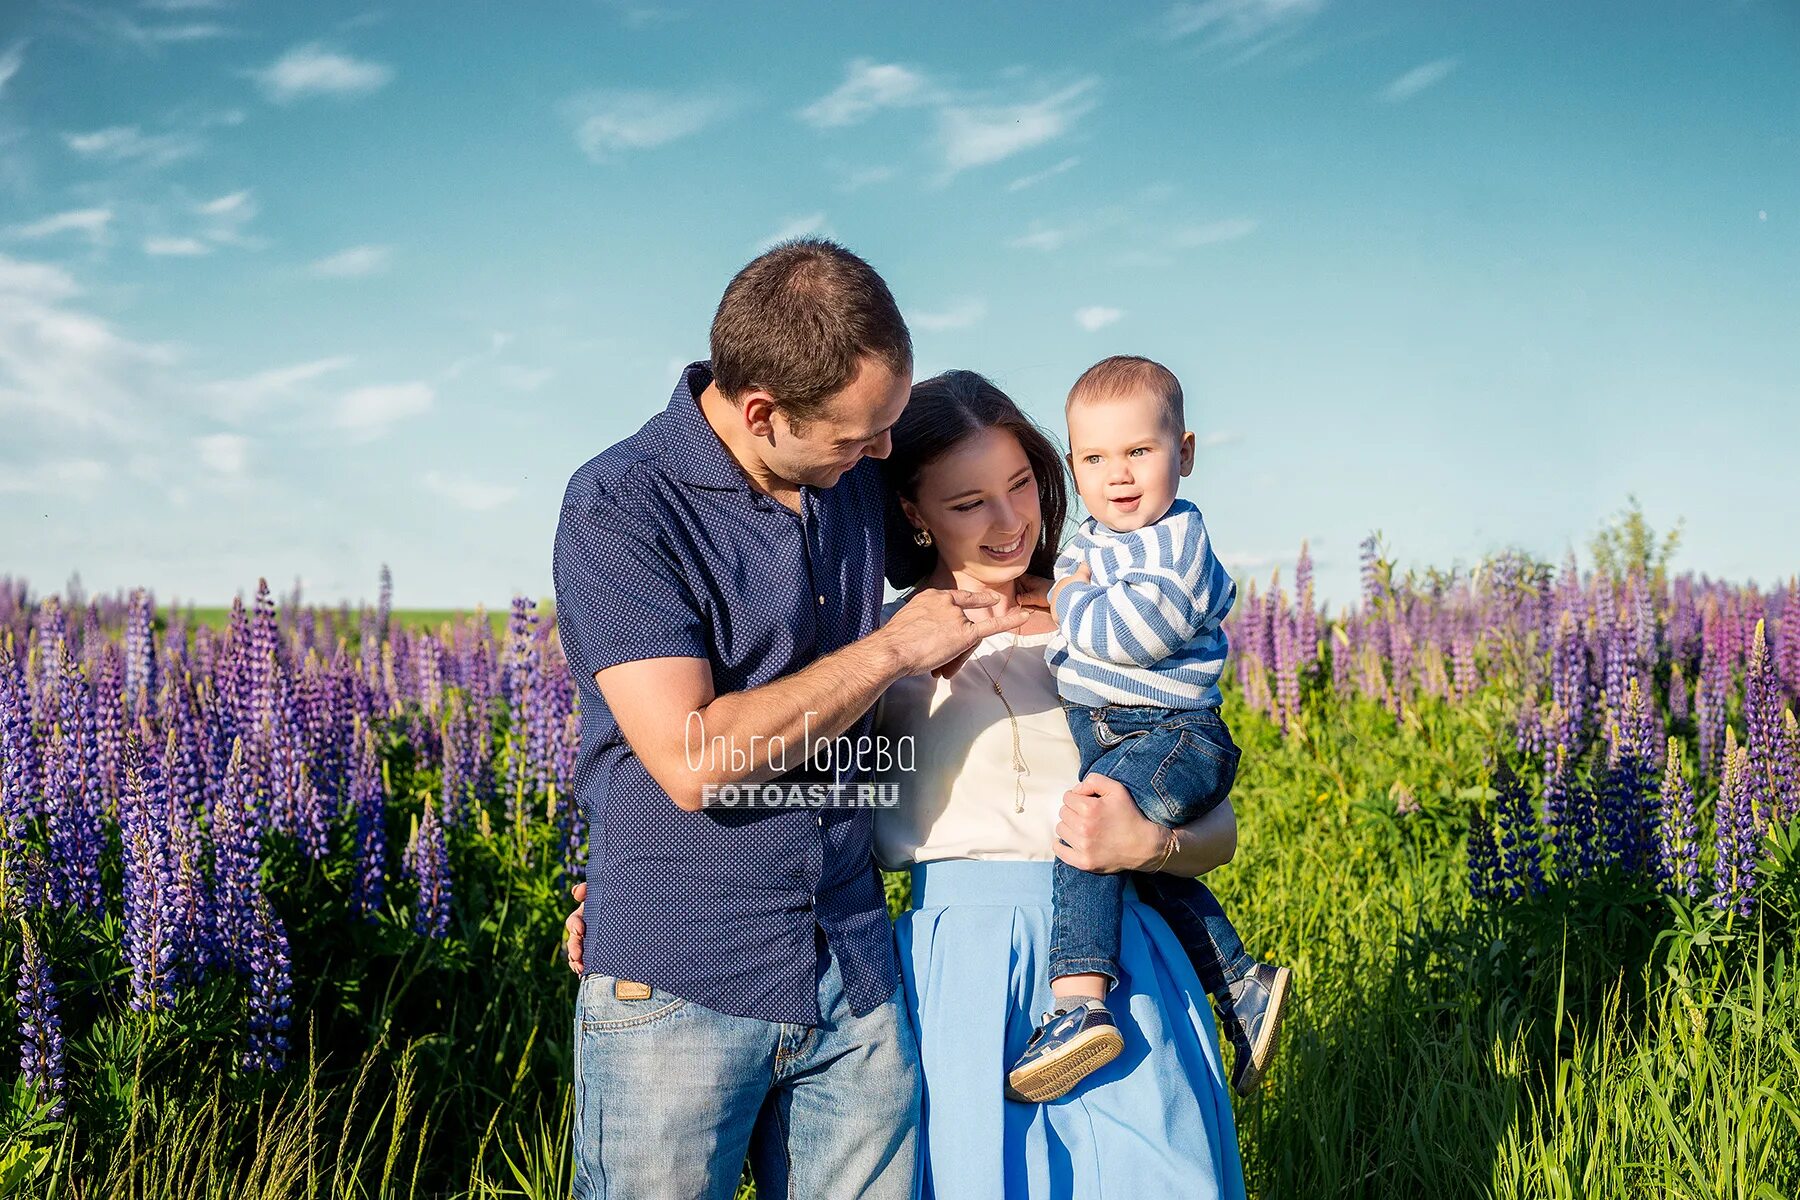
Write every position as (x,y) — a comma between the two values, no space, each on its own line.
(1072,1041)
(1250,1011)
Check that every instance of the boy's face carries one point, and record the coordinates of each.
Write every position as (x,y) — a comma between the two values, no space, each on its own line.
(1126,459)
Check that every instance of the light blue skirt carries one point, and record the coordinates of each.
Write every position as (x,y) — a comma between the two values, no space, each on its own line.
(1155,1122)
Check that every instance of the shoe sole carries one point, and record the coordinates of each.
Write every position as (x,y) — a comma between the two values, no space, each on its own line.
(1050,1078)
(1263,1052)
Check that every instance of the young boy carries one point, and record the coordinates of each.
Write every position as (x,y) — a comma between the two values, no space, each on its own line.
(1140,600)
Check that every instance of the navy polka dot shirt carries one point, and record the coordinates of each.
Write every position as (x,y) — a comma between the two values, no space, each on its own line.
(665,550)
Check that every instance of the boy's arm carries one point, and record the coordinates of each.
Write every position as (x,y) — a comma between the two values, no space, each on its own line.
(1153,607)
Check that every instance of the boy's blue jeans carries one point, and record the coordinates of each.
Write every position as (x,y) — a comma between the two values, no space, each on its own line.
(1178,764)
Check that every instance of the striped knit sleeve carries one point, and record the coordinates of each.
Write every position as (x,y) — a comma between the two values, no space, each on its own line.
(1166,587)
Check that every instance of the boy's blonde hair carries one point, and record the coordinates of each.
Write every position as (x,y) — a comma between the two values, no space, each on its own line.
(1129,375)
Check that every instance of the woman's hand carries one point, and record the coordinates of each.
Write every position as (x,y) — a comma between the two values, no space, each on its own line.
(1081,573)
(1102,830)
(576,928)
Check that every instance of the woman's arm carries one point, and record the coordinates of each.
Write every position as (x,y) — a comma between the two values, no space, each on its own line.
(1102,830)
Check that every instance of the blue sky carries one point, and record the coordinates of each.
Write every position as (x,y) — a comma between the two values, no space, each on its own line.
(293,290)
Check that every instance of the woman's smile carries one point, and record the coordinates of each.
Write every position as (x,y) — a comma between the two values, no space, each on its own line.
(1010,549)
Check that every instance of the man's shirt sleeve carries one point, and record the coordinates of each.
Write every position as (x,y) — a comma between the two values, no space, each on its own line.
(620,596)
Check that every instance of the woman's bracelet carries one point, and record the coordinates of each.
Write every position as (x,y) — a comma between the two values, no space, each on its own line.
(1168,850)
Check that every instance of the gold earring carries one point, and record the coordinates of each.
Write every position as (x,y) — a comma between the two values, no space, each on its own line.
(923,537)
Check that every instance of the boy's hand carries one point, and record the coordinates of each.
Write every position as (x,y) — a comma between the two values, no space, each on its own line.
(1081,572)
(1032,591)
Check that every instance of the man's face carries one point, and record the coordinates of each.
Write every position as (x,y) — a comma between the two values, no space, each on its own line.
(1126,459)
(856,422)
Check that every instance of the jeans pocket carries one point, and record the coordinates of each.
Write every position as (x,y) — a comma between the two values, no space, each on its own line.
(602,1010)
(1194,776)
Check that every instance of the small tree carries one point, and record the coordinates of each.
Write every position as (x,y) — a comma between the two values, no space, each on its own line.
(1628,544)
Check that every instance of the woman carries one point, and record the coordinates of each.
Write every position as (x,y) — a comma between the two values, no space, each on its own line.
(978,501)
(979,497)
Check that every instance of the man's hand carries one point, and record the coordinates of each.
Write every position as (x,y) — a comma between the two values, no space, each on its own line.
(1081,572)
(1100,829)
(931,632)
(575,928)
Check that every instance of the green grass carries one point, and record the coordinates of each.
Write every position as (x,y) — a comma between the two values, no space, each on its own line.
(1588,1045)
(407,618)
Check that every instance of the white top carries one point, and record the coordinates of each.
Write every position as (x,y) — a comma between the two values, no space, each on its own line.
(958,801)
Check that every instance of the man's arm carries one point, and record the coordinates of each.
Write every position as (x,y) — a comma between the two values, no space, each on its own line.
(674,721)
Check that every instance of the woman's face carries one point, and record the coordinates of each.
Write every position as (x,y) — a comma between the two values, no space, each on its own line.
(980,502)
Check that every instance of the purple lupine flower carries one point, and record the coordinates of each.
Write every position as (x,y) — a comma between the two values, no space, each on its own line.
(144,835)
(1789,806)
(1343,657)
(1678,694)
(270,976)
(237,857)
(1735,841)
(194,946)
(385,603)
(1679,845)
(368,800)
(1763,778)
(1528,730)
(1483,858)
(427,862)
(109,724)
(1571,689)
(1374,582)
(1462,657)
(140,650)
(72,797)
(40,1028)
(21,760)
(1787,645)
(1306,606)
(1714,691)
(1519,864)
(1287,666)
(574,820)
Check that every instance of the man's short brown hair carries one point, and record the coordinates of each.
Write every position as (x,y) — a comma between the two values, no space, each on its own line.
(797,319)
(1129,375)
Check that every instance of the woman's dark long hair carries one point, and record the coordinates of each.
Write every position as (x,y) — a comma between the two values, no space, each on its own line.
(942,413)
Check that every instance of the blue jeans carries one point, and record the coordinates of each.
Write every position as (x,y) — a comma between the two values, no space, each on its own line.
(1178,764)
(670,1096)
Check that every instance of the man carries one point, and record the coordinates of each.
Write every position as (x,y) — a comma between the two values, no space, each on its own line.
(718,583)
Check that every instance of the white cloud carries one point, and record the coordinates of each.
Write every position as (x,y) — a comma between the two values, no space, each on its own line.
(1220,437)
(128,143)
(235,399)
(10,62)
(610,122)
(232,206)
(1097,316)
(90,223)
(868,87)
(1025,181)
(1042,237)
(175,247)
(1418,79)
(1235,22)
(367,412)
(315,70)
(1215,231)
(464,492)
(961,315)
(813,224)
(64,367)
(185,5)
(66,475)
(976,135)
(224,453)
(353,263)
(862,177)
